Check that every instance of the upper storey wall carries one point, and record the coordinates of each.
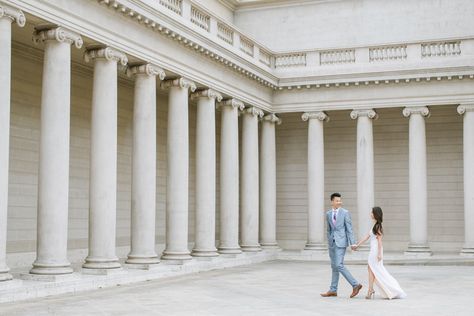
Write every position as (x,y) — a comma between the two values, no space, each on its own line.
(351,23)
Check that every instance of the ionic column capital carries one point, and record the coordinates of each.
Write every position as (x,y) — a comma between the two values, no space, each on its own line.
(13,14)
(146,69)
(207,93)
(108,53)
(253,111)
(234,103)
(180,82)
(272,118)
(371,114)
(320,115)
(56,33)
(463,108)
(422,110)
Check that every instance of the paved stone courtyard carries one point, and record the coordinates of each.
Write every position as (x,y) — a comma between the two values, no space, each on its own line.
(270,288)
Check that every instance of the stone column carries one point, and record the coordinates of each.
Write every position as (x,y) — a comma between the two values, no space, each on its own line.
(268,182)
(316,235)
(53,176)
(418,181)
(249,181)
(177,176)
(205,231)
(103,163)
(7,16)
(365,170)
(468,140)
(229,177)
(142,251)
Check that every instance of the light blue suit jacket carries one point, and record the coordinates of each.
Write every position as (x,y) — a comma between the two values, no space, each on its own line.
(341,233)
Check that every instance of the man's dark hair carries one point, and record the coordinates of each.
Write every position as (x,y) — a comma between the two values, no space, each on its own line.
(335,195)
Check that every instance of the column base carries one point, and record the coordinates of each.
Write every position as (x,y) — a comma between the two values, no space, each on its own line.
(51,269)
(176,255)
(251,248)
(5,276)
(142,260)
(418,250)
(98,271)
(10,284)
(48,277)
(100,263)
(467,251)
(315,246)
(270,246)
(204,253)
(144,266)
(229,250)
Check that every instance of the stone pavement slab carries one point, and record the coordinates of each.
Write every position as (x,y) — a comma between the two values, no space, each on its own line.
(269,288)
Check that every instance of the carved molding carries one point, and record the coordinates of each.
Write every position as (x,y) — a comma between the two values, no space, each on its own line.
(272,118)
(13,14)
(179,82)
(371,114)
(234,103)
(253,111)
(463,108)
(207,93)
(108,53)
(320,115)
(422,110)
(146,69)
(56,33)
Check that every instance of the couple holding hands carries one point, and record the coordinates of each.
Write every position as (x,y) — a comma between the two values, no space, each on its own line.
(340,236)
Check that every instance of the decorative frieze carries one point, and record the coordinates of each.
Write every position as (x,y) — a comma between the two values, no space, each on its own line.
(320,115)
(179,82)
(207,93)
(107,53)
(422,110)
(13,14)
(60,34)
(371,114)
(146,69)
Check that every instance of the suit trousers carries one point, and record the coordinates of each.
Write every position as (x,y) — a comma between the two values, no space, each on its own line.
(337,265)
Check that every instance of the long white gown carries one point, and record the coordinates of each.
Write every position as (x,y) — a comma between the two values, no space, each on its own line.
(388,286)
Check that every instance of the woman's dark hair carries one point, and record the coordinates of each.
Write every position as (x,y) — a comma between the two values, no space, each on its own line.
(335,195)
(378,216)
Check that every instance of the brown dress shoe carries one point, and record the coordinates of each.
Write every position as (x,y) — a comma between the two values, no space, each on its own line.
(328,294)
(356,290)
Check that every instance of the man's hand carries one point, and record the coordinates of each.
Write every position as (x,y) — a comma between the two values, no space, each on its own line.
(354,247)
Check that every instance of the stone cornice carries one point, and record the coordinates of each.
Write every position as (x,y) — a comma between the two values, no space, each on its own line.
(108,53)
(234,103)
(207,93)
(253,111)
(463,108)
(422,110)
(179,82)
(56,33)
(272,118)
(14,14)
(319,115)
(146,69)
(371,114)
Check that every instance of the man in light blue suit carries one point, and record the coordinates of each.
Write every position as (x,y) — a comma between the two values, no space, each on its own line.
(340,236)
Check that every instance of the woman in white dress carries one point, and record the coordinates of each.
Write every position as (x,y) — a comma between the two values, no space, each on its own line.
(389,287)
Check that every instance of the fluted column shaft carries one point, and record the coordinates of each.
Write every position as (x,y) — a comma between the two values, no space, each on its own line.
(249,186)
(268,182)
(142,250)
(229,177)
(7,16)
(418,181)
(177,173)
(103,163)
(53,177)
(365,169)
(205,231)
(316,239)
(468,146)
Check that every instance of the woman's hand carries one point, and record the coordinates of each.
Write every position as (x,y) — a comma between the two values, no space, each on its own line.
(379,257)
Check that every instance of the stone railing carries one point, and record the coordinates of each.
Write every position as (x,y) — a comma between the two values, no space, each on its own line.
(246,46)
(265,57)
(173,5)
(342,56)
(398,52)
(288,60)
(225,33)
(440,49)
(200,18)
